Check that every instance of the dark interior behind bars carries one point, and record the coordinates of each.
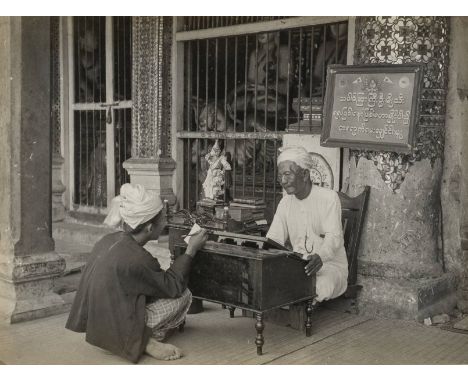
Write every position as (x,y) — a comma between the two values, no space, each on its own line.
(247,90)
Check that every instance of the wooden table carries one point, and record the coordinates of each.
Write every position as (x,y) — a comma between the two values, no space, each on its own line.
(256,280)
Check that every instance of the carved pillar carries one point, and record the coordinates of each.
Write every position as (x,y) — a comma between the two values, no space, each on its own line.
(455,174)
(28,264)
(151,163)
(58,188)
(401,266)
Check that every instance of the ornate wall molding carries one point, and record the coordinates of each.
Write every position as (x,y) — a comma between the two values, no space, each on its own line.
(58,188)
(55,83)
(399,40)
(152,40)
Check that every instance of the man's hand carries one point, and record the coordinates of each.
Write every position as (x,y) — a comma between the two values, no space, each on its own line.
(314,264)
(197,241)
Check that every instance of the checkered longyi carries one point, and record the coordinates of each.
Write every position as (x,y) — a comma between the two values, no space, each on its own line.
(165,314)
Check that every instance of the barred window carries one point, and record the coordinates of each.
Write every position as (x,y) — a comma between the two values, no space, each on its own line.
(100,99)
(245,92)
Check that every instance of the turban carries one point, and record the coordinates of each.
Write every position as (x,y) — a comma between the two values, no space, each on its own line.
(296,154)
(134,206)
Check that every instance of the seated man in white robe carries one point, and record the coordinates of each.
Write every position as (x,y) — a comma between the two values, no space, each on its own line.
(310,217)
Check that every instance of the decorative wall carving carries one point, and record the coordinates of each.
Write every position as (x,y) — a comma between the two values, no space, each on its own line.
(55,83)
(399,40)
(58,209)
(152,41)
(167,88)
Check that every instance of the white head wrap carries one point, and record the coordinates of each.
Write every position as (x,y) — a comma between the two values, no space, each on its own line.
(296,154)
(134,206)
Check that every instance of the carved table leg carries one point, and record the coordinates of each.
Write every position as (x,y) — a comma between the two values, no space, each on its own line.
(259,325)
(231,311)
(308,323)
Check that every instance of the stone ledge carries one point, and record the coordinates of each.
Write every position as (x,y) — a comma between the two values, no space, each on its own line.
(32,310)
(407,299)
(75,232)
(32,267)
(154,173)
(29,300)
(399,271)
(148,163)
(26,287)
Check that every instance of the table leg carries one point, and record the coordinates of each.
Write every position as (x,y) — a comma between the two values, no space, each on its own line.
(308,324)
(231,311)
(196,306)
(259,325)
(181,326)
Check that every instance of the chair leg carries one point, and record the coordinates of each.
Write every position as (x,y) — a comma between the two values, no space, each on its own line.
(308,323)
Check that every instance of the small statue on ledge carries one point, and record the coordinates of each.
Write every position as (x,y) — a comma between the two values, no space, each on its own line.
(218,164)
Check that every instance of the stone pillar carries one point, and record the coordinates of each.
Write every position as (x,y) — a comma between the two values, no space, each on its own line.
(28,263)
(58,188)
(455,174)
(151,163)
(401,264)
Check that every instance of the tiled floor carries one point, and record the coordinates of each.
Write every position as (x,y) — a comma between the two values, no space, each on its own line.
(212,337)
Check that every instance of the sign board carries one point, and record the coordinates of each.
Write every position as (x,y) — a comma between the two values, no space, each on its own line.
(372,106)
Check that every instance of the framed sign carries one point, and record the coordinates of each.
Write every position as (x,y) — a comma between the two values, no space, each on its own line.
(372,106)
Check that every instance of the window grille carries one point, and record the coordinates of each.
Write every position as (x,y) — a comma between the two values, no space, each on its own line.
(101,104)
(247,91)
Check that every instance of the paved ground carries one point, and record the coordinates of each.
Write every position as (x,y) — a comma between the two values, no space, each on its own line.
(212,337)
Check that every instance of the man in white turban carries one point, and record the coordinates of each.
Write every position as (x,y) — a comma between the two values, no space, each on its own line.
(125,302)
(310,217)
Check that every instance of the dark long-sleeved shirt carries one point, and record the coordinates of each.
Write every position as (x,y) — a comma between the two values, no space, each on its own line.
(110,302)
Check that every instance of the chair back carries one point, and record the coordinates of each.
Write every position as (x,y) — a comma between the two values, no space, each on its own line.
(353,211)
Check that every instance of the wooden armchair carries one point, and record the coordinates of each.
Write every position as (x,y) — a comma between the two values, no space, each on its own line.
(353,211)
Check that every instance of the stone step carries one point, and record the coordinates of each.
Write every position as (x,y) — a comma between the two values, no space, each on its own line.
(462,324)
(72,231)
(77,237)
(74,241)
(67,284)
(74,262)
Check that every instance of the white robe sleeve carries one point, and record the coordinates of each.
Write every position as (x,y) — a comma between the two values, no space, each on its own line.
(333,230)
(278,231)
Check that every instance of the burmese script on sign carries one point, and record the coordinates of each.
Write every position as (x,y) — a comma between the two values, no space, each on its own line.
(372,107)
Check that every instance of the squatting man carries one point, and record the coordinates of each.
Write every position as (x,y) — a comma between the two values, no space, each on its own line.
(125,302)
(309,216)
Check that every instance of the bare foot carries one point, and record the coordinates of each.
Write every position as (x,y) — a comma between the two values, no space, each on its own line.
(165,352)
